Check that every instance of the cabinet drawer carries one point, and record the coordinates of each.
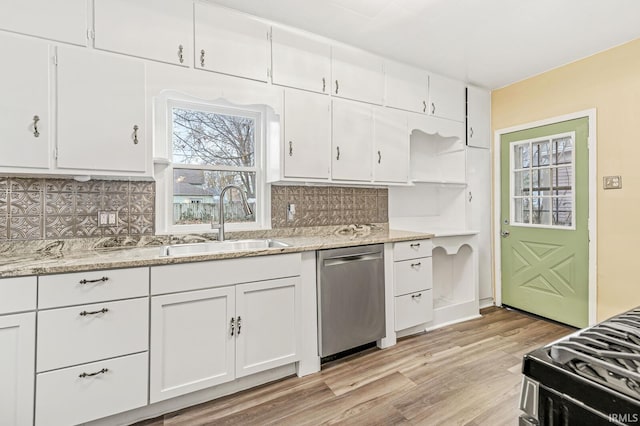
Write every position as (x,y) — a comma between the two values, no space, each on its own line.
(201,275)
(413,275)
(412,249)
(17,294)
(65,397)
(92,286)
(76,335)
(413,309)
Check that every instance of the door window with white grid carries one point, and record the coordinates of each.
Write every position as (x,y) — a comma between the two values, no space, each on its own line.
(543,181)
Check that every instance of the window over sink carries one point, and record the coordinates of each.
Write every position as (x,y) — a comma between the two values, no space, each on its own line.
(211,146)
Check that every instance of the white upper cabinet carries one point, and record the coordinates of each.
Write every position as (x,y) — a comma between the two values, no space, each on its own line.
(25,120)
(356,74)
(352,139)
(154,29)
(300,61)
(478,117)
(307,135)
(446,98)
(391,146)
(101,112)
(232,43)
(407,87)
(60,20)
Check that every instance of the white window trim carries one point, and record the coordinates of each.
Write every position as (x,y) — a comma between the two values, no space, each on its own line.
(164,166)
(512,195)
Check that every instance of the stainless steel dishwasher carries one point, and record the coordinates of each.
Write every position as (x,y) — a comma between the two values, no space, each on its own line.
(350,297)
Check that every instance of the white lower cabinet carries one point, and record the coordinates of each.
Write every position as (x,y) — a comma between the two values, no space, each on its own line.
(86,392)
(17,358)
(412,277)
(207,337)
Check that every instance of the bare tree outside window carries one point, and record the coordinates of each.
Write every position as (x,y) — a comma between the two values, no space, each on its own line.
(210,151)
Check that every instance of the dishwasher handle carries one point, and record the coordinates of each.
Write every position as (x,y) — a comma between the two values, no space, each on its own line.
(347,258)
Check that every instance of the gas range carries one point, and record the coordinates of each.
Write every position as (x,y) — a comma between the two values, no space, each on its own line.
(591,377)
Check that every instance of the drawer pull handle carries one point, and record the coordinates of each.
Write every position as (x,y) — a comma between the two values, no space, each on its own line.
(83,375)
(415,245)
(416,296)
(233,325)
(94,281)
(239,324)
(415,265)
(101,311)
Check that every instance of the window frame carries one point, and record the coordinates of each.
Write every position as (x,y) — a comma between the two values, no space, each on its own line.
(164,169)
(550,166)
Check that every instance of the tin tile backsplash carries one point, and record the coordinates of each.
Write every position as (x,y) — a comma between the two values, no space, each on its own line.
(41,208)
(327,205)
(33,208)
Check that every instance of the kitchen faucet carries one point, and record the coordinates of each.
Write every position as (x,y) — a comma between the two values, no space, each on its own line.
(220,225)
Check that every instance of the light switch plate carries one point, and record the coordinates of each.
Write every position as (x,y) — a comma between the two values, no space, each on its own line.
(612,182)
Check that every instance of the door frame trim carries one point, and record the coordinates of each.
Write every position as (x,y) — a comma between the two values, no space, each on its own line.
(591,223)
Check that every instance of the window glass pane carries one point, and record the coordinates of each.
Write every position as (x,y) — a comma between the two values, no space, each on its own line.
(521,156)
(541,182)
(562,150)
(521,183)
(562,210)
(562,177)
(540,211)
(521,210)
(540,153)
(208,138)
(196,196)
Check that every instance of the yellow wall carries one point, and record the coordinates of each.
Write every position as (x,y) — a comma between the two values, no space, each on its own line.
(609,82)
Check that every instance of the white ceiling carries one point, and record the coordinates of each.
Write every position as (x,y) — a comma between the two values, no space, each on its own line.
(491,43)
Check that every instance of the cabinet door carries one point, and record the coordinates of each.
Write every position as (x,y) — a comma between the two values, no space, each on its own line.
(478,117)
(153,29)
(25,121)
(300,61)
(231,43)
(101,103)
(407,87)
(357,74)
(268,324)
(61,20)
(446,98)
(391,146)
(17,358)
(307,123)
(352,136)
(478,198)
(192,341)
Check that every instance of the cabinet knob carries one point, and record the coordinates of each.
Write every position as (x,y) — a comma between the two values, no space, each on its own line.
(416,296)
(379,157)
(290,148)
(337,87)
(180,53)
(324,84)
(433,108)
(103,279)
(202,58)
(101,311)
(239,324)
(416,265)
(135,134)
(470,132)
(233,325)
(470,196)
(424,106)
(36,133)
(338,153)
(414,245)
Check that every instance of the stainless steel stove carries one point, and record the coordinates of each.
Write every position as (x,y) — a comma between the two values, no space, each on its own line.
(591,377)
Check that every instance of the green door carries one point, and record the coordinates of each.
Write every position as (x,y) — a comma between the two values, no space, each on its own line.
(544,215)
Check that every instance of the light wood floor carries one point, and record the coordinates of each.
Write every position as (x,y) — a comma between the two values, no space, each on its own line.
(465,374)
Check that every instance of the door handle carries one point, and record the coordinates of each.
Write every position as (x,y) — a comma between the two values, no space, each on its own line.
(505,234)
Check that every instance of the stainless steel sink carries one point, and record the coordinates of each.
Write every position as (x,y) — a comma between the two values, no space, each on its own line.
(219,246)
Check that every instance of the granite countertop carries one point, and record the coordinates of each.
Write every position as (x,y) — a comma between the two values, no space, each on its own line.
(61,256)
